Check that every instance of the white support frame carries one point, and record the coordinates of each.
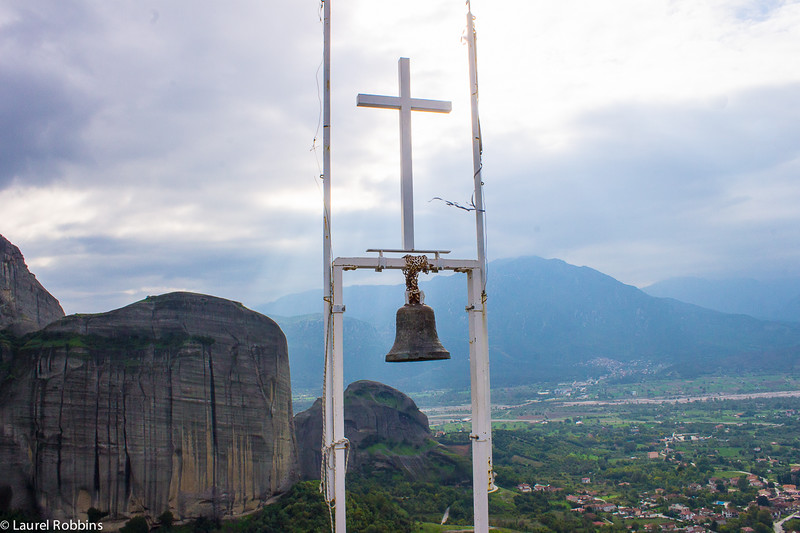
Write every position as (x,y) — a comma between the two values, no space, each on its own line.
(481,436)
(334,440)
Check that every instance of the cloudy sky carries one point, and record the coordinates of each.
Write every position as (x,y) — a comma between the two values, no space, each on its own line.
(157,145)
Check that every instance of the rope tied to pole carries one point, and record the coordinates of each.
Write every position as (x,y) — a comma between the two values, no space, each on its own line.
(327,458)
(324,482)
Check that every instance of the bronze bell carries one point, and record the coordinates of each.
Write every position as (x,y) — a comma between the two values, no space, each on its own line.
(416,338)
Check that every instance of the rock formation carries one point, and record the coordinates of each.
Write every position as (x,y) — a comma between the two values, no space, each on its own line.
(374,413)
(25,305)
(180,402)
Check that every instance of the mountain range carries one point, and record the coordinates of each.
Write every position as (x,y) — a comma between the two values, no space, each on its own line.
(548,321)
(767,300)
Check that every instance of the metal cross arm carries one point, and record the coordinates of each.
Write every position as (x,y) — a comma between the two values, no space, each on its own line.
(405,104)
(404,101)
(395,102)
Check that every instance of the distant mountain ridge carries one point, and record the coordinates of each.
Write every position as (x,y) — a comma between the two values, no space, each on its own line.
(765,300)
(548,320)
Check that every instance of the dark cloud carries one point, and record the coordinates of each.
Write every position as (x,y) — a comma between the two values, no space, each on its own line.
(42,112)
(102,86)
(42,122)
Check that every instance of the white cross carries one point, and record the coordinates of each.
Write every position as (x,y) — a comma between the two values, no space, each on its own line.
(406,105)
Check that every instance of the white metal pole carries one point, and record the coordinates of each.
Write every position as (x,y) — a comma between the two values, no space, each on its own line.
(326,154)
(476,146)
(326,147)
(483,475)
(339,441)
(328,413)
(335,441)
(482,342)
(481,421)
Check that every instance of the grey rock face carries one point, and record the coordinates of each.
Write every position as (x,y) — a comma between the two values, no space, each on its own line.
(25,305)
(180,402)
(373,412)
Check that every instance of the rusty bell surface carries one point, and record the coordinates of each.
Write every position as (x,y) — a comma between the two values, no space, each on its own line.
(416,338)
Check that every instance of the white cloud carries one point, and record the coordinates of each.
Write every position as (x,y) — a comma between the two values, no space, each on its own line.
(167,145)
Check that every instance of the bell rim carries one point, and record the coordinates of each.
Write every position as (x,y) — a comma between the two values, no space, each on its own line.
(428,356)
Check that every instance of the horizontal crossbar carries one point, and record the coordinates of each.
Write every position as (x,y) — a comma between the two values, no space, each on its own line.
(395,102)
(402,251)
(399,263)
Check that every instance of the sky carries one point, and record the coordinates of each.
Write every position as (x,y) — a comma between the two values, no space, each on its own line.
(149,146)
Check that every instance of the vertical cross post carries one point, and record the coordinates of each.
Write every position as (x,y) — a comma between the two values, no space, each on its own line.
(405,104)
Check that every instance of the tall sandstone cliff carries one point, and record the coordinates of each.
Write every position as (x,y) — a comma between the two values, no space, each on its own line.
(180,402)
(25,305)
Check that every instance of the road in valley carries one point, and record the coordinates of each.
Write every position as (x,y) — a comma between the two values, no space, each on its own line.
(461,413)
(778,526)
(688,399)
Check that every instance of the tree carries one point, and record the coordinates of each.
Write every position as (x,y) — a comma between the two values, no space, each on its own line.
(94,516)
(166,520)
(742,484)
(204,525)
(137,524)
(6,494)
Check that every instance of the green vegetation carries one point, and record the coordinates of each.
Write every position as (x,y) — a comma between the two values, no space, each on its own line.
(399,448)
(613,469)
(792,525)
(303,510)
(136,525)
(82,345)
(722,464)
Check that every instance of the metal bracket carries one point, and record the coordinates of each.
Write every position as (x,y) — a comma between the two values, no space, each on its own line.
(381,262)
(338,308)
(436,264)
